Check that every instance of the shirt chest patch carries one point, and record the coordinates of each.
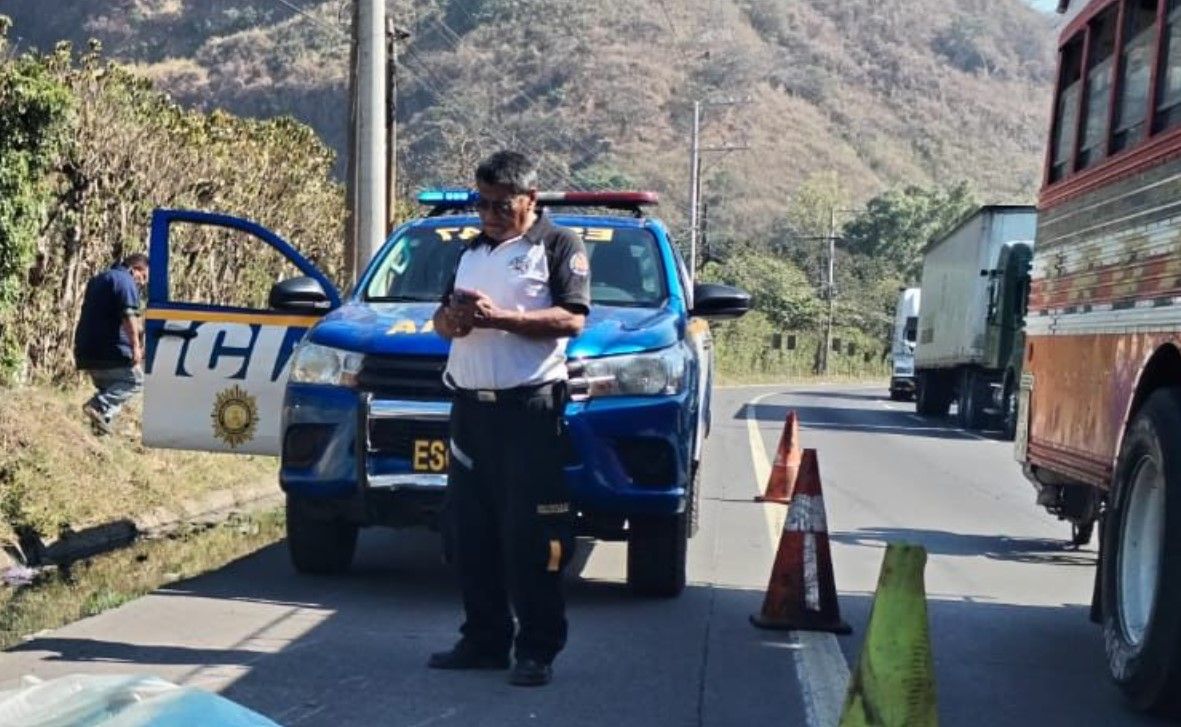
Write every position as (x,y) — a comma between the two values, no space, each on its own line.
(529,263)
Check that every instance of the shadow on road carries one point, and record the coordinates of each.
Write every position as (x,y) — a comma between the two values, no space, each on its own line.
(352,648)
(996,547)
(866,395)
(846,419)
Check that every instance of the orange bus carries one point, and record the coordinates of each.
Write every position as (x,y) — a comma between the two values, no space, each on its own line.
(1099,430)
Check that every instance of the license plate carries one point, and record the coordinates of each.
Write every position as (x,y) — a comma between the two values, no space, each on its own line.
(429,455)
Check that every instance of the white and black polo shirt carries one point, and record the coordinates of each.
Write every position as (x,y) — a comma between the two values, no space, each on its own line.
(545,267)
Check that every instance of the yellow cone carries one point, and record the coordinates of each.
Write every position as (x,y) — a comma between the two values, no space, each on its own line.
(894,683)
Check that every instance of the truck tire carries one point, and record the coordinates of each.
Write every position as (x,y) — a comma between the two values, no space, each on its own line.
(657,549)
(933,398)
(695,499)
(971,404)
(1009,410)
(1141,549)
(318,542)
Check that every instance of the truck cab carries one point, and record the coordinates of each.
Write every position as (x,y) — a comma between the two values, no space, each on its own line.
(348,390)
(902,344)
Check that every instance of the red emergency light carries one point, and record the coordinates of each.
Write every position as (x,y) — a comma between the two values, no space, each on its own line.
(615,200)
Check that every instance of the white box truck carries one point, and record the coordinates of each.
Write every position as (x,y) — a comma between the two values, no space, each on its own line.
(975,288)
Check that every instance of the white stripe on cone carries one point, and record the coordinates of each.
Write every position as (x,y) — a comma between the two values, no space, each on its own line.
(811,574)
(806,515)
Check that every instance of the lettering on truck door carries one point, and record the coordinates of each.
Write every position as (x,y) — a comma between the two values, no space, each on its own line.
(215,371)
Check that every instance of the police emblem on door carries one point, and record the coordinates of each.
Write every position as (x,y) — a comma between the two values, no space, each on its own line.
(235,416)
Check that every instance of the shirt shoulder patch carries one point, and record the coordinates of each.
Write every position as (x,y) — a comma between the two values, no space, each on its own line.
(579,265)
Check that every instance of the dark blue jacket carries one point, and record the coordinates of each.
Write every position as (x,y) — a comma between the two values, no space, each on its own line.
(99,340)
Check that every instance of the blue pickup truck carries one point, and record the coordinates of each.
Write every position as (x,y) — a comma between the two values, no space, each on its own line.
(348,390)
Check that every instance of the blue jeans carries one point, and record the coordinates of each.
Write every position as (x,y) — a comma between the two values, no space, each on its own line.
(115,387)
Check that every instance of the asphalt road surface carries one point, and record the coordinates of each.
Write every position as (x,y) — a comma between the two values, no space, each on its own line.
(1008,602)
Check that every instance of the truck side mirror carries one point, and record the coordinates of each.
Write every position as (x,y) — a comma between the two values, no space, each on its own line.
(299,295)
(717,302)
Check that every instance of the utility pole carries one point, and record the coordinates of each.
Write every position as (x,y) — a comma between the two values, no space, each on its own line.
(350,182)
(393,34)
(695,152)
(694,190)
(830,287)
(370,165)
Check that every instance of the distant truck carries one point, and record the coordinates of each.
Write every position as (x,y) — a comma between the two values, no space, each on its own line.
(902,344)
(975,289)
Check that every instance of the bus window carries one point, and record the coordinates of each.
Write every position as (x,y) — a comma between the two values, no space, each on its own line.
(1168,95)
(1066,109)
(1131,108)
(1100,59)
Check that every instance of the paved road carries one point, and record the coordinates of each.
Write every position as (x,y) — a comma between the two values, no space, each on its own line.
(1008,603)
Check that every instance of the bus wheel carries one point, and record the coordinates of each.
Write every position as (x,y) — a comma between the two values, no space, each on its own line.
(1080,535)
(1141,546)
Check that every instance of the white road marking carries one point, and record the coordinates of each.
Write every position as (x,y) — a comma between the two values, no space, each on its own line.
(821,670)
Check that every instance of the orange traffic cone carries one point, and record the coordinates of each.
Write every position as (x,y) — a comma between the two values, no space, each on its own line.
(802,593)
(787,464)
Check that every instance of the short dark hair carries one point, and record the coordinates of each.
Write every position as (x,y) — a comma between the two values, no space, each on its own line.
(508,169)
(136,260)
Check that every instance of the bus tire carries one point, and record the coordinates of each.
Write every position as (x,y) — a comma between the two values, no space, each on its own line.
(1141,544)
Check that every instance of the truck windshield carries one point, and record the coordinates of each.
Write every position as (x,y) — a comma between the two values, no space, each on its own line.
(625,265)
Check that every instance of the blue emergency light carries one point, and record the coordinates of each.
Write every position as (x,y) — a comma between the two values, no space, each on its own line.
(448,196)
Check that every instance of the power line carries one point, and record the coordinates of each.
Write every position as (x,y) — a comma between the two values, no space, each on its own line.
(435,89)
(569,144)
(305,14)
(426,78)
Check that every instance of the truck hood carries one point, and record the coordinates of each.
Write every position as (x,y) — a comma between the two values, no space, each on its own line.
(398,329)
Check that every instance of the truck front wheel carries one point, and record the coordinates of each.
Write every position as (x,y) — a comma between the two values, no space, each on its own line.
(318,541)
(657,549)
(1141,548)
(1009,409)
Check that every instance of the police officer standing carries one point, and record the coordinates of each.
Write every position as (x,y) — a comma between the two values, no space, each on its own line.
(521,290)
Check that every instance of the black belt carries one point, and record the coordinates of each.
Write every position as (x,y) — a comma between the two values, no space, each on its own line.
(510,396)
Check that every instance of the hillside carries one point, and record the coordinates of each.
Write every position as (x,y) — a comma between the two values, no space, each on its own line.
(915,91)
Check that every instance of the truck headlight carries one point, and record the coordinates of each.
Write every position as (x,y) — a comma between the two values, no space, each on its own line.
(316,364)
(642,374)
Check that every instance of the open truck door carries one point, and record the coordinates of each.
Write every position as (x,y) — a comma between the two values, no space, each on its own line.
(215,370)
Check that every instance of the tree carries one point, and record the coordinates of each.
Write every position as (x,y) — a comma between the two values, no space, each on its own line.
(808,223)
(897,225)
(777,287)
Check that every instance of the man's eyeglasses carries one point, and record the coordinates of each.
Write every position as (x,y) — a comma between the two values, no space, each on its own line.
(502,207)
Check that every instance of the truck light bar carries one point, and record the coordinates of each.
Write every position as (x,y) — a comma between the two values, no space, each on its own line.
(449,201)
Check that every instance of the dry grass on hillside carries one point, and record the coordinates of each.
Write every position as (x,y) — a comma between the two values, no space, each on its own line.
(55,473)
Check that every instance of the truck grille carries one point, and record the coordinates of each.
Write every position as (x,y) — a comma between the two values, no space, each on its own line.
(396,437)
(404,377)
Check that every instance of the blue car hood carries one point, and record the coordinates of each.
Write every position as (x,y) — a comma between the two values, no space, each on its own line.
(397,329)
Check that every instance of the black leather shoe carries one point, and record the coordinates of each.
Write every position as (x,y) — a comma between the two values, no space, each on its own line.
(463,656)
(530,673)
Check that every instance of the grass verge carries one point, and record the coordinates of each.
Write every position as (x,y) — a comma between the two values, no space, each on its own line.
(56,474)
(89,587)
